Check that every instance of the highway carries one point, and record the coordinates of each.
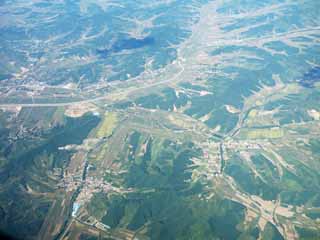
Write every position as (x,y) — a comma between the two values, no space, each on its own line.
(109,96)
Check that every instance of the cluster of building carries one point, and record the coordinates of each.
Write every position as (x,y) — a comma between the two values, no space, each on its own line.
(245,145)
(213,161)
(88,188)
(94,185)
(214,154)
(209,165)
(70,182)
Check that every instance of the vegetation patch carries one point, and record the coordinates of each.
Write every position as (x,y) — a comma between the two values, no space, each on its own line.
(263,133)
(108,124)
